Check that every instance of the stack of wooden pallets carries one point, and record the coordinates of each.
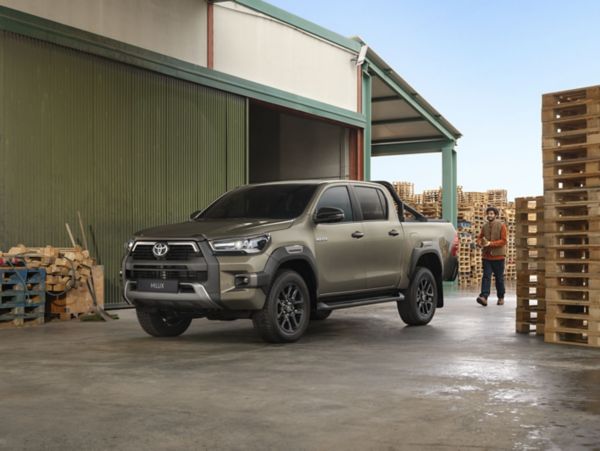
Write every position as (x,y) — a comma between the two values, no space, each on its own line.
(22,296)
(406,191)
(571,157)
(529,240)
(67,273)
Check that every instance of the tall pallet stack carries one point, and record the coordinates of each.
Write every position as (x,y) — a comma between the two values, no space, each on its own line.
(571,159)
(529,240)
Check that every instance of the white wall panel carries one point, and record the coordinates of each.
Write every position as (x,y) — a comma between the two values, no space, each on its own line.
(261,49)
(176,28)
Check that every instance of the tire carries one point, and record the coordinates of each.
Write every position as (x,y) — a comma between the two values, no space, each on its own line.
(286,313)
(418,308)
(160,324)
(319,315)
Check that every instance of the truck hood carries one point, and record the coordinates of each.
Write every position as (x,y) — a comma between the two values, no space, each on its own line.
(215,228)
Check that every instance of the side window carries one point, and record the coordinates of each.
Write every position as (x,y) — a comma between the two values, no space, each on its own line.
(384,203)
(337,197)
(372,203)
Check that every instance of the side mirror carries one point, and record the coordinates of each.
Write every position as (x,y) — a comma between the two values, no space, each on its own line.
(194,214)
(329,214)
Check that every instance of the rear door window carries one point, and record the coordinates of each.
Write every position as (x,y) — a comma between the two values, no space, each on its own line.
(372,203)
(337,197)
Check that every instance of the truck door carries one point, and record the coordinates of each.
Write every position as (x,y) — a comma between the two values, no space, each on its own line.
(383,238)
(339,246)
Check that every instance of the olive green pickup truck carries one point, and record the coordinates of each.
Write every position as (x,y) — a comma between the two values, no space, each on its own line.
(284,253)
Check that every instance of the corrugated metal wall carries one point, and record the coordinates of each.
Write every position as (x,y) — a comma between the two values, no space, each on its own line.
(128,148)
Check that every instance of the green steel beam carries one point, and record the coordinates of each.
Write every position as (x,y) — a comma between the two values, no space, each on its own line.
(366,104)
(53,32)
(401,120)
(300,23)
(449,185)
(410,147)
(386,99)
(409,99)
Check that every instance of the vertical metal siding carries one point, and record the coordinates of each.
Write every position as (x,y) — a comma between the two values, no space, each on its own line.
(127,147)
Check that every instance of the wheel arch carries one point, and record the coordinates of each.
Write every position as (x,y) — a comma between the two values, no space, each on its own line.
(302,262)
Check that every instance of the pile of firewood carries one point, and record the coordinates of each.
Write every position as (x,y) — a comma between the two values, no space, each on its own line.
(66,267)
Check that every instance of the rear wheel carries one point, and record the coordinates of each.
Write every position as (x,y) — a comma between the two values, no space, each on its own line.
(418,307)
(162,324)
(286,312)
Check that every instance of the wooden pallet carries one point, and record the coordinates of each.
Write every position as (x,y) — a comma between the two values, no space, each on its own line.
(22,297)
(570,97)
(573,323)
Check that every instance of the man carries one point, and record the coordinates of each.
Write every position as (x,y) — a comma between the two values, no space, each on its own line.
(492,240)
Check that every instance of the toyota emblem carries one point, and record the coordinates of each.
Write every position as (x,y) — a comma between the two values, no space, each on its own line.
(160,249)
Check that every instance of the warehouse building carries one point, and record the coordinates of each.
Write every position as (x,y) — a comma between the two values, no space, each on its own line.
(136,113)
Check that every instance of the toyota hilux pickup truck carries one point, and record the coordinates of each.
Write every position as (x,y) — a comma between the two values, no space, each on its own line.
(284,253)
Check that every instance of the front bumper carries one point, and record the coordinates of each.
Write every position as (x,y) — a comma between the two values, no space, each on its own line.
(215,289)
(196,297)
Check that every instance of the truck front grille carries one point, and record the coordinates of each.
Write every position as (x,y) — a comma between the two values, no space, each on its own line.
(184,251)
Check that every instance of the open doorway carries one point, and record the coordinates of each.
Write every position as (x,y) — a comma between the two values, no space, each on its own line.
(293,146)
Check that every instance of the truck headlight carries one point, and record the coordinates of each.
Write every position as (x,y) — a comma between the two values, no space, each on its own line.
(129,245)
(244,245)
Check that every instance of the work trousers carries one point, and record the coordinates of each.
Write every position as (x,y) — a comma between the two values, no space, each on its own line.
(490,267)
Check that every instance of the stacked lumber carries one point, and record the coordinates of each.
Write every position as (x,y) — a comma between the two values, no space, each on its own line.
(65,267)
(531,306)
(571,163)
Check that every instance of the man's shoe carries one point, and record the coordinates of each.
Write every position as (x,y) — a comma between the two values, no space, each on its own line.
(501,301)
(481,300)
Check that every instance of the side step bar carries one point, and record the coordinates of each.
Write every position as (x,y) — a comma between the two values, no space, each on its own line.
(358,302)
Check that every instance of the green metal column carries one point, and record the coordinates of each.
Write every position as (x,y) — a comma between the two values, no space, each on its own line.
(449,184)
(366,104)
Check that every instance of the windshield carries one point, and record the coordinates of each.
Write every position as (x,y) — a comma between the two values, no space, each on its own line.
(266,201)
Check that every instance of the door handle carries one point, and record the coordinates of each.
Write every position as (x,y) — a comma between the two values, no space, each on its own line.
(393,232)
(358,235)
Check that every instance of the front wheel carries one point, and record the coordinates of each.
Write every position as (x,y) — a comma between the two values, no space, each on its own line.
(418,307)
(286,312)
(162,324)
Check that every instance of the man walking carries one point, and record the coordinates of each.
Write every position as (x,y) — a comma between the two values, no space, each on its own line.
(492,240)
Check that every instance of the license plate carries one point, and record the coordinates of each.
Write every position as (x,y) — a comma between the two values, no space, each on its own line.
(162,286)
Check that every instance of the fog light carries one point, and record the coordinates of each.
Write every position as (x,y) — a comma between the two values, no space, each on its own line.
(242,280)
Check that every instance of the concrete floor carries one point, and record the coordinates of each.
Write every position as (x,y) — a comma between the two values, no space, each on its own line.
(359,380)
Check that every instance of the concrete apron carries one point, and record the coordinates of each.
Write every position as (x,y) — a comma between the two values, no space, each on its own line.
(359,380)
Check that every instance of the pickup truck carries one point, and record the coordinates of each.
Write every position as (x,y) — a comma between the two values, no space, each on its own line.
(284,253)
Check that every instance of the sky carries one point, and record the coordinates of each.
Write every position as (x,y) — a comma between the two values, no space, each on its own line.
(484,66)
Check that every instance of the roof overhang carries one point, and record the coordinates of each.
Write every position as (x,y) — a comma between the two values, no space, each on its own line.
(402,121)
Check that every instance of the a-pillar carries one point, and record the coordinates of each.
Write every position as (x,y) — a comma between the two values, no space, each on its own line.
(449,184)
